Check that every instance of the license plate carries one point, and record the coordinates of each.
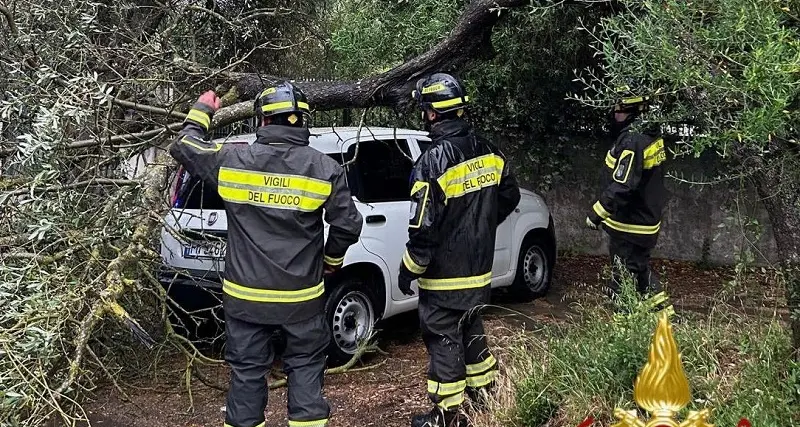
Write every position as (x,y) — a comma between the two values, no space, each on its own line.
(205,250)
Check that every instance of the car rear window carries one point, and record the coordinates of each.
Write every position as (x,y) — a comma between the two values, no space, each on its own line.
(192,193)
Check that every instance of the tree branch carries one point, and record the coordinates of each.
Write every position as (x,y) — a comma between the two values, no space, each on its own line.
(10,18)
(465,43)
(147,108)
(93,181)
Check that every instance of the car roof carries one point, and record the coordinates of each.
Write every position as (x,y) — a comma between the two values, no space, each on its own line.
(334,139)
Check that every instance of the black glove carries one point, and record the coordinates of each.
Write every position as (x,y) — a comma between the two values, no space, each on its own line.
(591,224)
(404,280)
(328,269)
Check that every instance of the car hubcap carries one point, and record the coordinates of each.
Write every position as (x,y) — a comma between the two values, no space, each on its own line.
(352,321)
(535,266)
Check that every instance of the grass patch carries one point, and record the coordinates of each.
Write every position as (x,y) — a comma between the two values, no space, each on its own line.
(738,366)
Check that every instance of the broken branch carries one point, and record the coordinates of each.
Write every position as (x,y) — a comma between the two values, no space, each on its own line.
(86,183)
(12,26)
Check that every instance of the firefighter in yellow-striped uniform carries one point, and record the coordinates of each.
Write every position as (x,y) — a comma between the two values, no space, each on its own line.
(275,193)
(631,205)
(461,189)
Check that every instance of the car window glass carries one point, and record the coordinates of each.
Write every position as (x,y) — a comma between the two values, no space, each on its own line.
(382,170)
(423,145)
(195,194)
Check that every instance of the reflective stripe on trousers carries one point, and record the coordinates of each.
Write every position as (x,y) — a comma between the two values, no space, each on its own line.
(482,373)
(270,295)
(314,423)
(455,283)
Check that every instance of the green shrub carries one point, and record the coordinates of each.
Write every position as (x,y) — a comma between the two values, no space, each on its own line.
(738,366)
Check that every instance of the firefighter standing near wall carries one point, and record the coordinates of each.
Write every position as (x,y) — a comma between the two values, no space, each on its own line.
(631,205)
(461,189)
(275,191)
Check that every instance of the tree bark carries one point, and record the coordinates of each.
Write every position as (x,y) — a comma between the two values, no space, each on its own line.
(778,186)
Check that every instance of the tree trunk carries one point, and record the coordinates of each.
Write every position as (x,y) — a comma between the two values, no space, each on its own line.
(779,188)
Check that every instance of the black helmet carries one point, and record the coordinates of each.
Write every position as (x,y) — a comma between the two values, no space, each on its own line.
(629,101)
(441,93)
(284,98)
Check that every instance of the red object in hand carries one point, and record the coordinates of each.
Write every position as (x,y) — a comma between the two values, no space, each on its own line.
(211,100)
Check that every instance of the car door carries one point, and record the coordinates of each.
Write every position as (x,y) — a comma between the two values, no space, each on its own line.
(382,170)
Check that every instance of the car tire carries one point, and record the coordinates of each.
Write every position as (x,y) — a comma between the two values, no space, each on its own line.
(350,312)
(534,267)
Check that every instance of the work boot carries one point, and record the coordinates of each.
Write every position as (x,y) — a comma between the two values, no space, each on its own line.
(439,418)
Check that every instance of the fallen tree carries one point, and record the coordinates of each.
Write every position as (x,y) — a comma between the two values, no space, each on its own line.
(83,94)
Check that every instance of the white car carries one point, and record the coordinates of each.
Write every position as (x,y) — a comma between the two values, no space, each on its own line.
(379,162)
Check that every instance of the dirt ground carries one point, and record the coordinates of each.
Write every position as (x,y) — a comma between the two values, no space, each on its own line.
(393,387)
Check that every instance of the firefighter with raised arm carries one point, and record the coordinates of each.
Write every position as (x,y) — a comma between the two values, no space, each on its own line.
(276,193)
(461,189)
(631,205)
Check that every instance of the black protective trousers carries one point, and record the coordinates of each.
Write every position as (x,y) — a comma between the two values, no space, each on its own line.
(249,352)
(636,259)
(459,359)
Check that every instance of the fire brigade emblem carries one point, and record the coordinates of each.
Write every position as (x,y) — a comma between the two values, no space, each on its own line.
(661,388)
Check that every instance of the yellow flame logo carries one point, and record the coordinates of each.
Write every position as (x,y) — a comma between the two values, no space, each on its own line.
(661,387)
(662,384)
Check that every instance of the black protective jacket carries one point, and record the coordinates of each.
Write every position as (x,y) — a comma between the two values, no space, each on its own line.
(461,189)
(632,203)
(275,192)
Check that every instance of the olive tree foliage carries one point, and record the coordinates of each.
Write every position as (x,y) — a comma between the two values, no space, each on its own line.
(731,70)
(520,96)
(85,85)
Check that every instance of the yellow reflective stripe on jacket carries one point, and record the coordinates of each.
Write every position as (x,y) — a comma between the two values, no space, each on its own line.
(456,283)
(201,117)
(270,295)
(449,102)
(281,191)
(287,104)
(276,180)
(188,141)
(452,401)
(611,161)
(420,208)
(333,261)
(315,423)
(632,228)
(600,210)
(446,389)
(472,175)
(482,380)
(654,154)
(411,265)
(483,366)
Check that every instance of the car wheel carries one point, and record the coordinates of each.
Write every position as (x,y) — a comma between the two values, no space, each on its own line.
(350,310)
(534,268)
